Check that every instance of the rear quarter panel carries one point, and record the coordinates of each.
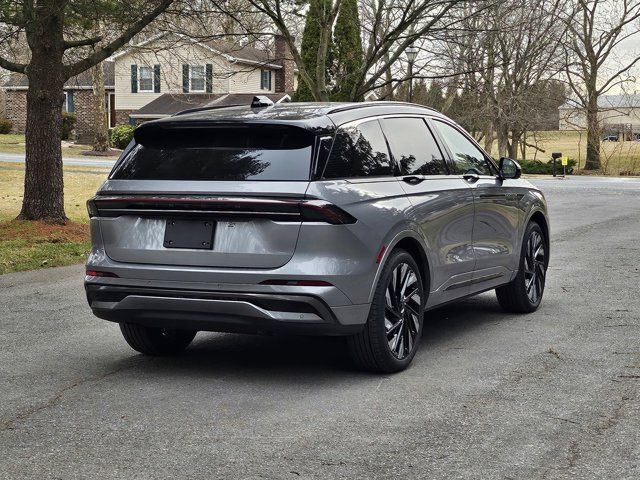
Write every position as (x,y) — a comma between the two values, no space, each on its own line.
(346,254)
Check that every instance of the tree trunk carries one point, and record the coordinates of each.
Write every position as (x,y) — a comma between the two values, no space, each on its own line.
(43,182)
(523,147)
(488,137)
(593,133)
(502,133)
(101,129)
(388,78)
(321,93)
(513,146)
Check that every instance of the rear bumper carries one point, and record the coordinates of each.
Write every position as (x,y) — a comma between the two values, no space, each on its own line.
(223,311)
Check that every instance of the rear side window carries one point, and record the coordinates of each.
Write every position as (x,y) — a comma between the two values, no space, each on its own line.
(413,147)
(359,151)
(218,154)
(466,156)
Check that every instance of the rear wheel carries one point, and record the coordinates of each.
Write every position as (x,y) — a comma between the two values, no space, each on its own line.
(156,341)
(392,333)
(524,293)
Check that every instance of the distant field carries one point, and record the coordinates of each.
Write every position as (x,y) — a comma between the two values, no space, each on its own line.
(618,158)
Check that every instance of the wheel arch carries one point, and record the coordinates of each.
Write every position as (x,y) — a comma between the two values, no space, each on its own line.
(413,244)
(539,217)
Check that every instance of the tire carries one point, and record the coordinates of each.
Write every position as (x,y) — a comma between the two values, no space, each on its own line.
(524,293)
(385,345)
(156,341)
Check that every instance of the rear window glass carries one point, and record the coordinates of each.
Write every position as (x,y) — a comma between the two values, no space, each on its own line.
(218,154)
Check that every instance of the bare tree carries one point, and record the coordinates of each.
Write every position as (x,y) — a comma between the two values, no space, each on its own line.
(504,58)
(389,27)
(100,126)
(597,28)
(60,48)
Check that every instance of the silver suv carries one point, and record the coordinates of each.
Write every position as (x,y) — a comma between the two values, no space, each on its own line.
(332,219)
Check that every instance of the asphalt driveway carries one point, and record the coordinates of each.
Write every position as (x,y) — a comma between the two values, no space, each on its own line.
(554,394)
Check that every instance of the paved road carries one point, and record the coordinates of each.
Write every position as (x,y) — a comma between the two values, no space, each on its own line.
(69,161)
(551,395)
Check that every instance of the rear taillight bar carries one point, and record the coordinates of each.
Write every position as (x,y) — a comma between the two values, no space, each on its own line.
(321,211)
(219,207)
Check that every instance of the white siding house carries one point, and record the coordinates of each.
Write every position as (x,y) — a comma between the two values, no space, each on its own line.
(614,111)
(170,64)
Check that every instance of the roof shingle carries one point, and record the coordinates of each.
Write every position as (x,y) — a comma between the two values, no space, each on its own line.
(82,80)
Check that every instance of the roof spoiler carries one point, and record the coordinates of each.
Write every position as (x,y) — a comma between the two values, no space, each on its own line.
(202,109)
(261,101)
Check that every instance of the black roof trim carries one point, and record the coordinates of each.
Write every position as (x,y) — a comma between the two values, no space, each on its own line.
(380,103)
(319,117)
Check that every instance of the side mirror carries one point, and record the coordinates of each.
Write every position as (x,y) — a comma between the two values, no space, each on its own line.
(509,168)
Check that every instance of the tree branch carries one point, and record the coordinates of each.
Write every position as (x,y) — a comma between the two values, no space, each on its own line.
(82,43)
(109,49)
(12,66)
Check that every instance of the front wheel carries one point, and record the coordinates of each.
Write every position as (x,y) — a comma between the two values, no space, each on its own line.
(392,333)
(524,293)
(156,341)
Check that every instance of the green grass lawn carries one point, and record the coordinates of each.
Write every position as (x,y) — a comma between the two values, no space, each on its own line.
(618,158)
(29,245)
(14,143)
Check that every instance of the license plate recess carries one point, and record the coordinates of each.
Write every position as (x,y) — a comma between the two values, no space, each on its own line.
(195,234)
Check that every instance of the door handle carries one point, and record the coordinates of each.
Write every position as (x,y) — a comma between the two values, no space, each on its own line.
(412,180)
(471,177)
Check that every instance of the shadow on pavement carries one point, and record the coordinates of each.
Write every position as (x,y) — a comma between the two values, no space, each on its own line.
(259,355)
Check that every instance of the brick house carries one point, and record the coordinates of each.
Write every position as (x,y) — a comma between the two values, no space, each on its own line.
(169,72)
(79,100)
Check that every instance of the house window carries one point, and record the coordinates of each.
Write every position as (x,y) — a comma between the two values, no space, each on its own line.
(68,102)
(145,79)
(197,78)
(265,79)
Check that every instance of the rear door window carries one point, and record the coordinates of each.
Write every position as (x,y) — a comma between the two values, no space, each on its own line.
(413,147)
(218,153)
(359,151)
(466,156)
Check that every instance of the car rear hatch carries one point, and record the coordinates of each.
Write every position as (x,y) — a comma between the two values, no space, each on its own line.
(209,195)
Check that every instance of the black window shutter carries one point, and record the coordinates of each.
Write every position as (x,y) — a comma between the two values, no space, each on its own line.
(70,105)
(269,88)
(156,78)
(134,79)
(209,78)
(261,79)
(185,78)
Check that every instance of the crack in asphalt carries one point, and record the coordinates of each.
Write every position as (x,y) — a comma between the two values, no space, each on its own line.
(573,452)
(10,423)
(598,431)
